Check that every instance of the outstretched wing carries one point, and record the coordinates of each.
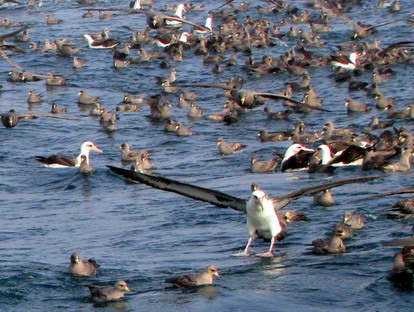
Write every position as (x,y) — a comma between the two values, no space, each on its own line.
(5,36)
(401,242)
(314,189)
(288,99)
(192,191)
(397,192)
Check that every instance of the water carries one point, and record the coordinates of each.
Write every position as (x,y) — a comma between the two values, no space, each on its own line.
(144,236)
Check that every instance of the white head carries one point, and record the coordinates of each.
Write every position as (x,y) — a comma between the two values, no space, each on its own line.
(353,57)
(86,147)
(294,149)
(209,23)
(326,153)
(184,36)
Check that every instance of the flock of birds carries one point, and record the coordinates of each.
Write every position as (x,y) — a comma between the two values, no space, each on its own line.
(379,147)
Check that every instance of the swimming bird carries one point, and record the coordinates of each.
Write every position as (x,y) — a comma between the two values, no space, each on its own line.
(226,148)
(263,166)
(347,62)
(65,49)
(84,167)
(355,220)
(11,119)
(100,44)
(132,155)
(85,99)
(404,164)
(52,21)
(261,218)
(56,161)
(333,244)
(34,97)
(82,267)
(402,269)
(297,156)
(205,278)
(182,130)
(57,110)
(55,80)
(356,106)
(264,136)
(324,198)
(108,293)
(78,63)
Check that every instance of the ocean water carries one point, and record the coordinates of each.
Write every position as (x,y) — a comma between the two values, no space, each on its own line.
(143,235)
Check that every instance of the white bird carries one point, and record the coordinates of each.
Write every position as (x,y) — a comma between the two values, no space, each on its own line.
(57,161)
(262,219)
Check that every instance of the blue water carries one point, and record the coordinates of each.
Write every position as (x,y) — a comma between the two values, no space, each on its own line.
(143,235)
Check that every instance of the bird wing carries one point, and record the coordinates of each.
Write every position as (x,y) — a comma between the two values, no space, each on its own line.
(206,86)
(192,191)
(288,99)
(182,281)
(177,19)
(56,159)
(2,37)
(400,242)
(314,189)
(403,191)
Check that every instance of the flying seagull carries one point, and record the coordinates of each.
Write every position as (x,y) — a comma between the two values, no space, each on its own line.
(156,20)
(264,221)
(250,99)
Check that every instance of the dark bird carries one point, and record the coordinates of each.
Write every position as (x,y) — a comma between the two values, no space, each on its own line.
(156,20)
(11,119)
(249,99)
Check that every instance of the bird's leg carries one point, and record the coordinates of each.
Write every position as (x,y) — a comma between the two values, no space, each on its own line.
(246,251)
(269,254)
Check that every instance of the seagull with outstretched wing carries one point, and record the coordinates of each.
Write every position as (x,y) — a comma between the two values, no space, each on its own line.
(250,99)
(261,210)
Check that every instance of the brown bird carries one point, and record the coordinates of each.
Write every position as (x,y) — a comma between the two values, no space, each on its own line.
(257,166)
(205,278)
(229,148)
(108,293)
(333,244)
(82,267)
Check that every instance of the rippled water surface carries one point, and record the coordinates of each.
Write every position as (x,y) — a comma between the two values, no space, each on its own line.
(143,235)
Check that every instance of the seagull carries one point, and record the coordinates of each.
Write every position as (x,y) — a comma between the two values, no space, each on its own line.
(155,20)
(260,217)
(346,62)
(100,44)
(249,99)
(56,161)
